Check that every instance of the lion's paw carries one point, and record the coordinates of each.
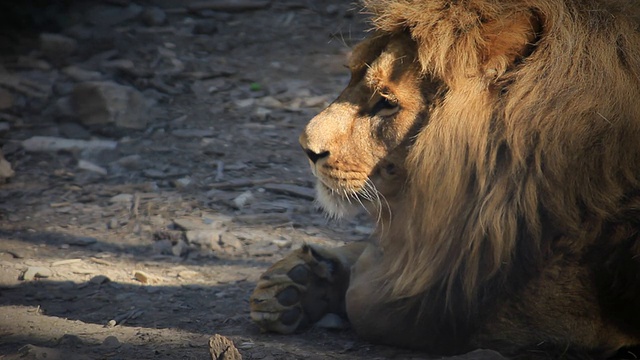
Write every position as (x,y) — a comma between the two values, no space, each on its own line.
(300,289)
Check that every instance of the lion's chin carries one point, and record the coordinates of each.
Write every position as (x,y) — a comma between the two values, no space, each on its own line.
(333,204)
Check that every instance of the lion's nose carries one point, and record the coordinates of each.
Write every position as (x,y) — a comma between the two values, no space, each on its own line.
(315,156)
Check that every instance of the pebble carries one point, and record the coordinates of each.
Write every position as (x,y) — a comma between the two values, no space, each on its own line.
(111,341)
(5,168)
(188,274)
(53,144)
(82,241)
(180,248)
(80,75)
(205,238)
(121,198)
(89,166)
(33,272)
(333,322)
(56,46)
(6,99)
(243,199)
(131,162)
(144,277)
(163,247)
(153,16)
(99,279)
(186,133)
(106,102)
(205,27)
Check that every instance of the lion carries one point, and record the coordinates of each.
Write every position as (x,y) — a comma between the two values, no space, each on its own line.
(496,144)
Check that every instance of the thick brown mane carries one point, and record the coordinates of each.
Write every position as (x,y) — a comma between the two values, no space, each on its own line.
(523,148)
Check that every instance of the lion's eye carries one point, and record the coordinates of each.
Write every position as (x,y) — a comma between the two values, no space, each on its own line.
(385,107)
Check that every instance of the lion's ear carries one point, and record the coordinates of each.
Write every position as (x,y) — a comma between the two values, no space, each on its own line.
(507,41)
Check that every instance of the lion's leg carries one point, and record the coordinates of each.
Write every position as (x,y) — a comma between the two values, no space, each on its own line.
(377,319)
(304,286)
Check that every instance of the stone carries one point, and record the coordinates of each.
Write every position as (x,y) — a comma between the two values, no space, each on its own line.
(56,46)
(111,342)
(74,131)
(209,239)
(205,27)
(53,144)
(122,198)
(162,247)
(5,168)
(333,322)
(222,348)
(6,99)
(99,279)
(108,16)
(180,248)
(105,102)
(187,133)
(243,199)
(82,241)
(81,75)
(33,272)
(89,166)
(130,162)
(153,16)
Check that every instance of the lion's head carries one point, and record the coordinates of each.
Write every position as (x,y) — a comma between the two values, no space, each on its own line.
(481,130)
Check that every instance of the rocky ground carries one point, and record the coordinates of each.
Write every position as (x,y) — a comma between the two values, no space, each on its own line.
(152,173)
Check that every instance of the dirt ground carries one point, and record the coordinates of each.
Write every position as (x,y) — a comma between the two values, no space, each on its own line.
(147,243)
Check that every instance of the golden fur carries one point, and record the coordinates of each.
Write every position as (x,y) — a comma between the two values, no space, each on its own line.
(496,142)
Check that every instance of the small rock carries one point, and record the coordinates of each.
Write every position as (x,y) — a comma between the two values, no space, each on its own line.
(89,166)
(262,113)
(243,103)
(6,99)
(154,174)
(282,243)
(230,240)
(82,241)
(81,75)
(99,279)
(205,27)
(206,222)
(123,65)
(62,107)
(316,101)
(186,133)
(56,46)
(131,162)
(270,102)
(333,322)
(4,127)
(105,102)
(222,348)
(74,131)
(162,247)
(243,199)
(188,274)
(153,16)
(121,198)
(33,272)
(108,16)
(207,239)
(53,144)
(143,277)
(111,342)
(5,168)
(480,354)
(182,182)
(180,248)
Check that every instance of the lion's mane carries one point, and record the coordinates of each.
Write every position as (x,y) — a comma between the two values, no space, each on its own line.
(523,156)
